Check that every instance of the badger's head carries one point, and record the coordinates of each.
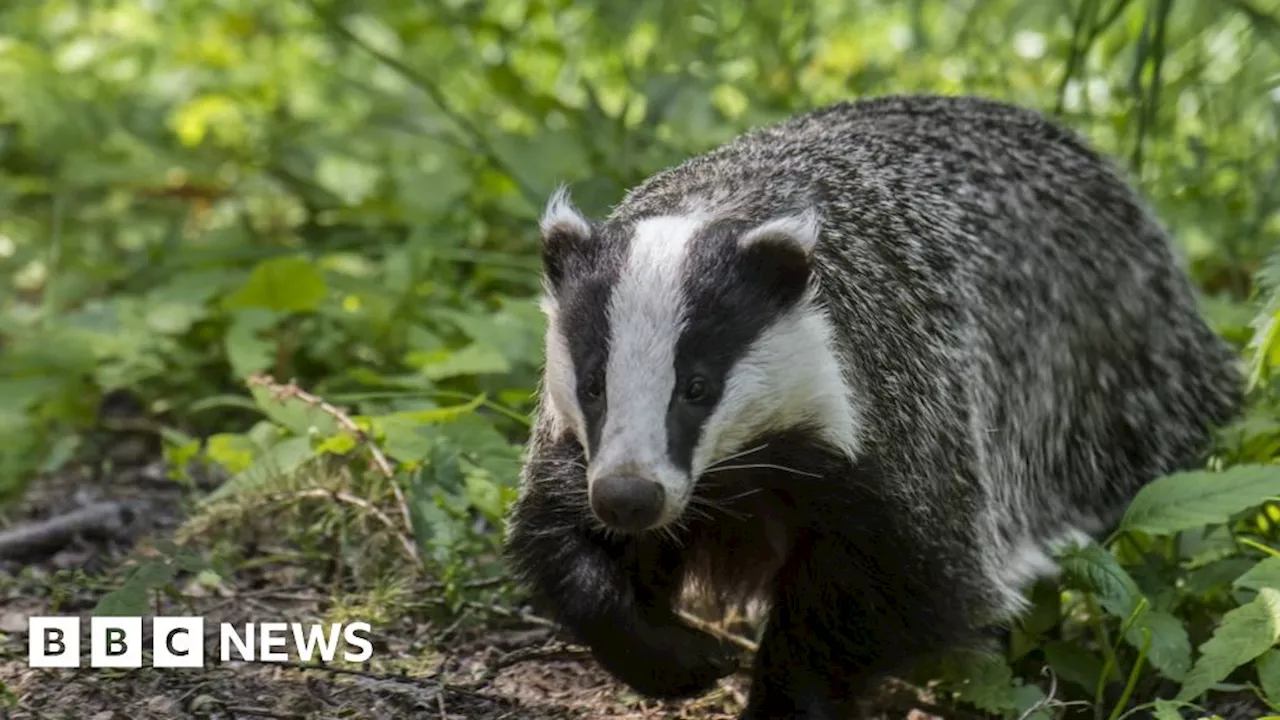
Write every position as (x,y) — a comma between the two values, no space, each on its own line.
(676,341)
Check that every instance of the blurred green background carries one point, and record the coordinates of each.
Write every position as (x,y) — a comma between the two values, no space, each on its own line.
(344,193)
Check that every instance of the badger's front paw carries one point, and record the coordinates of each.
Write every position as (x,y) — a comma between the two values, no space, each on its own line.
(672,661)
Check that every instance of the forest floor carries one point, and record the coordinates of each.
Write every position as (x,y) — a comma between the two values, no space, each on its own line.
(508,668)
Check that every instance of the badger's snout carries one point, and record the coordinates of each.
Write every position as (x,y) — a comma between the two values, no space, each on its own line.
(629,503)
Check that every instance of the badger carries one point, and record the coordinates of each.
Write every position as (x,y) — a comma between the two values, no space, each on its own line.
(869,366)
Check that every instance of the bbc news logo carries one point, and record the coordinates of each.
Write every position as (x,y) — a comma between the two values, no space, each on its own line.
(179,642)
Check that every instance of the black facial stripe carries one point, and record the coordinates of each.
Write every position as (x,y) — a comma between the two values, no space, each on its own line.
(731,297)
(584,304)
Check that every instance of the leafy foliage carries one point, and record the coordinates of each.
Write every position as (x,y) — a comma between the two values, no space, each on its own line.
(344,195)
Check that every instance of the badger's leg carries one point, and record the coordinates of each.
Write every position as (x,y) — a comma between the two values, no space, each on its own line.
(615,594)
(841,621)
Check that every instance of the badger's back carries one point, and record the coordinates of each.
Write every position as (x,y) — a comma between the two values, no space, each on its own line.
(1025,348)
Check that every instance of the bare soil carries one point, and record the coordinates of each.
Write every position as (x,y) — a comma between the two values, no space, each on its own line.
(506,668)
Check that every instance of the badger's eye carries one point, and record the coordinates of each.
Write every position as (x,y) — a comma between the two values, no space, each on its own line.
(595,386)
(695,390)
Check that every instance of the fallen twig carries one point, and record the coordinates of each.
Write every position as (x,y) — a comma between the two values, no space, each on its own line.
(54,533)
(712,629)
(280,391)
(406,543)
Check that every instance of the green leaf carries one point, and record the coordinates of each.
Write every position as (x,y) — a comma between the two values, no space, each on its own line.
(247,352)
(130,599)
(404,440)
(981,679)
(1266,574)
(1073,663)
(284,457)
(283,284)
(1166,710)
(1268,667)
(1217,576)
(1024,698)
(1170,650)
(1244,633)
(431,416)
(173,318)
(232,451)
(473,359)
(434,528)
(299,417)
(1183,501)
(133,596)
(1095,570)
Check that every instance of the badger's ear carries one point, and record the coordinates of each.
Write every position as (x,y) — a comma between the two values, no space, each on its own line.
(782,250)
(798,232)
(565,232)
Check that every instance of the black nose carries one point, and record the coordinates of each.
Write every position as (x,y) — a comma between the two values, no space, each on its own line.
(627,502)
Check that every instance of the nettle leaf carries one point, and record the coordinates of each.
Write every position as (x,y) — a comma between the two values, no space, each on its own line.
(1025,697)
(283,458)
(515,331)
(433,415)
(1268,667)
(1217,576)
(983,680)
(473,359)
(434,527)
(1183,501)
(1170,650)
(410,435)
(403,439)
(1166,710)
(232,451)
(128,600)
(283,284)
(299,417)
(1074,663)
(1095,570)
(1244,634)
(1266,574)
(247,352)
(132,597)
(484,447)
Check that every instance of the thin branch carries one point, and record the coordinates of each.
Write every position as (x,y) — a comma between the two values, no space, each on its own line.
(55,532)
(718,632)
(410,548)
(280,392)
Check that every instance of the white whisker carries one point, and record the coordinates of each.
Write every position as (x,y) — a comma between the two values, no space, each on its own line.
(737,455)
(718,507)
(761,466)
(739,496)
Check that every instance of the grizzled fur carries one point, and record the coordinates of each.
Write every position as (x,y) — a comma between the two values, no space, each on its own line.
(1016,352)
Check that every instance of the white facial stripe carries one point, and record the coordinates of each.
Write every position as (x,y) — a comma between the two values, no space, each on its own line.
(790,375)
(645,320)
